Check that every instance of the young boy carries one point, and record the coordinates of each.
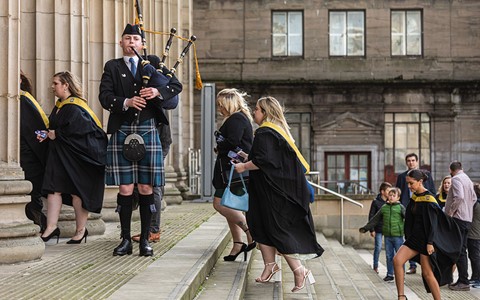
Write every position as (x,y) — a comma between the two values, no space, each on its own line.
(376,231)
(393,216)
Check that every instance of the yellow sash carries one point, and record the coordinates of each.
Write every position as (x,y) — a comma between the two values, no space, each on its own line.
(426,198)
(37,106)
(82,104)
(441,199)
(290,142)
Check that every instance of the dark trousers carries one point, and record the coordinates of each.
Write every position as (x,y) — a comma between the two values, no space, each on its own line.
(462,263)
(474,256)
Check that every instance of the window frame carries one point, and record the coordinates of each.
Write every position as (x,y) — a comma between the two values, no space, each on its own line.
(287,34)
(406,33)
(347,155)
(346,11)
(420,150)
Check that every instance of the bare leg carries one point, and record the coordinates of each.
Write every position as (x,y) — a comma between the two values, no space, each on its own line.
(268,255)
(234,219)
(81,216)
(427,273)
(402,256)
(54,205)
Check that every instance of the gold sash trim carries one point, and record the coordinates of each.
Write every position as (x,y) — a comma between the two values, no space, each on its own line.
(37,106)
(82,104)
(426,198)
(290,142)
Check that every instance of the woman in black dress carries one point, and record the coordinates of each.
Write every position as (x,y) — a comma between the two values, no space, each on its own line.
(279,213)
(75,167)
(430,234)
(235,133)
(443,190)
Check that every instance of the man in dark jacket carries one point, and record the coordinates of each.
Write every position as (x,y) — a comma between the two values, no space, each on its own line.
(134,109)
(411,160)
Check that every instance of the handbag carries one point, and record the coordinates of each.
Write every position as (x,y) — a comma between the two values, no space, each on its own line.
(134,147)
(233,201)
(235,181)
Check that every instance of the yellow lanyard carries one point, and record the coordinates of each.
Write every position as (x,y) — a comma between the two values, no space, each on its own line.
(290,142)
(82,104)
(37,106)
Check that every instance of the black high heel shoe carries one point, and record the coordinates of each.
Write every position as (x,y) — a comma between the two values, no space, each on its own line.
(232,257)
(56,233)
(85,233)
(250,246)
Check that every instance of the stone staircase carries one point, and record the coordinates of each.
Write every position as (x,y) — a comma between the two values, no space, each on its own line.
(341,273)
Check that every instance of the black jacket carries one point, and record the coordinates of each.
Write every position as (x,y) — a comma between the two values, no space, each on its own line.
(118,84)
(377,203)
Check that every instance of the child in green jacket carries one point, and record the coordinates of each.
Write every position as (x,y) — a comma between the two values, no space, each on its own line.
(393,215)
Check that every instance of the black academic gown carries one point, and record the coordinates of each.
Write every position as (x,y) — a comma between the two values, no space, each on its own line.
(444,234)
(33,155)
(76,162)
(279,214)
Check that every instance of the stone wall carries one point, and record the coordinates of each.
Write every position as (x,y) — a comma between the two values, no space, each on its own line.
(348,96)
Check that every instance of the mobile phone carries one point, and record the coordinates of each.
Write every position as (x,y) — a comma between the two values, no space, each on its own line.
(42,133)
(234,155)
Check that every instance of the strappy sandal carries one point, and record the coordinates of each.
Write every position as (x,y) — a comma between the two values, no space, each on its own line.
(307,274)
(273,264)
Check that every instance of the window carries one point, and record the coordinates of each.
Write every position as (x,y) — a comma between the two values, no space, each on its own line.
(406,32)
(300,129)
(406,133)
(348,172)
(347,33)
(287,33)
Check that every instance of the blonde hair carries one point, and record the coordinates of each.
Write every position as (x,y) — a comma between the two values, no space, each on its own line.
(74,85)
(440,188)
(233,101)
(274,113)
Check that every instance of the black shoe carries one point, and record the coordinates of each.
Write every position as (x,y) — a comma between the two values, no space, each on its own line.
(124,248)
(72,241)
(56,233)
(232,257)
(145,248)
(388,278)
(460,287)
(251,246)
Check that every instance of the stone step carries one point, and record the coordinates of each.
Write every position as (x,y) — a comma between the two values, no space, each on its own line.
(227,279)
(179,273)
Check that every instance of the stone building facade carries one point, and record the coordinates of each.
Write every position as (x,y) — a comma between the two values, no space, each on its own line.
(48,36)
(364,82)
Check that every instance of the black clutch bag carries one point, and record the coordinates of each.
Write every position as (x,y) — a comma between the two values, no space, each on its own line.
(134,147)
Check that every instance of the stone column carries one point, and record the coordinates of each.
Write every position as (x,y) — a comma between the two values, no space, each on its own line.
(19,240)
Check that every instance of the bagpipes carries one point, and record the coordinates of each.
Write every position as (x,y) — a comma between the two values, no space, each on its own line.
(153,70)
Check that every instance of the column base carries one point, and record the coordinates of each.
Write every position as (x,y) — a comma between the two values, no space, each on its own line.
(19,237)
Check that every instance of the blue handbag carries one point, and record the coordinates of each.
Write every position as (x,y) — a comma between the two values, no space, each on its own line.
(233,201)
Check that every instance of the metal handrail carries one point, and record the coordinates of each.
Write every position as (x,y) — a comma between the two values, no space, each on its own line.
(342,198)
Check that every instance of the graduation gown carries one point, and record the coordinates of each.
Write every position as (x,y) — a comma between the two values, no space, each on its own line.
(33,154)
(279,198)
(76,161)
(440,230)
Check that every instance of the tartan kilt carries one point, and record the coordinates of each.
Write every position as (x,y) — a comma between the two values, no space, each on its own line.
(149,170)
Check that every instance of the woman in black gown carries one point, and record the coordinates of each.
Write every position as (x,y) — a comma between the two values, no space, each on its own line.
(279,214)
(75,167)
(430,234)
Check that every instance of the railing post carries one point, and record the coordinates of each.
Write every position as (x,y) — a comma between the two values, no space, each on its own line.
(341,209)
